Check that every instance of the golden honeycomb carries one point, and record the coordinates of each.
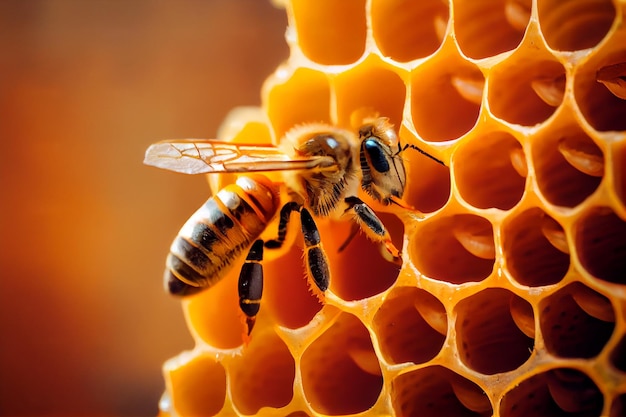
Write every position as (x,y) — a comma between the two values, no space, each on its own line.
(511,299)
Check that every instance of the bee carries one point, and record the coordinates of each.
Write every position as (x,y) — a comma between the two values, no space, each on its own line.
(322,166)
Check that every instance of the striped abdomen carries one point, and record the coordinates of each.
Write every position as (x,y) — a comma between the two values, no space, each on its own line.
(215,235)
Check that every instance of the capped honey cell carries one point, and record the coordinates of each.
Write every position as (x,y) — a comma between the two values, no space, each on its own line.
(407,30)
(221,301)
(197,385)
(384,95)
(308,93)
(330,32)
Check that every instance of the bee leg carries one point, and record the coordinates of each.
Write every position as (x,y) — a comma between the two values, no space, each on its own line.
(373,227)
(316,261)
(251,285)
(285,215)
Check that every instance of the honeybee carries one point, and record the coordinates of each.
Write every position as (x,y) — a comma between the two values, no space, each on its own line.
(322,169)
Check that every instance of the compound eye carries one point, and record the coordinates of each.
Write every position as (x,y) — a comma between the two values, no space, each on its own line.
(378,158)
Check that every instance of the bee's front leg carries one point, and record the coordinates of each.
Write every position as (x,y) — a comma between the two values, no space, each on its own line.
(373,227)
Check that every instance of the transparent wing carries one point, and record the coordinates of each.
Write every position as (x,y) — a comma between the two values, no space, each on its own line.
(202,156)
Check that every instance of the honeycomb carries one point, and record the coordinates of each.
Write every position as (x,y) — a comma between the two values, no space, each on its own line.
(511,299)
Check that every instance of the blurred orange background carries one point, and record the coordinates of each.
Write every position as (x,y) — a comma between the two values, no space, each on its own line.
(85,87)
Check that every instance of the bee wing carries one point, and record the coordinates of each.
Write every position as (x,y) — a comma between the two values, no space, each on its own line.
(203,156)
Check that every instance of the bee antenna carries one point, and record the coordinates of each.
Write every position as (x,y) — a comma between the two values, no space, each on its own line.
(423,152)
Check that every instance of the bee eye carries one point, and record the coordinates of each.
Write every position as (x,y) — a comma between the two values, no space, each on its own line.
(377,156)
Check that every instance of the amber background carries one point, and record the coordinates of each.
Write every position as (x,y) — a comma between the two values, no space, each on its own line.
(85,87)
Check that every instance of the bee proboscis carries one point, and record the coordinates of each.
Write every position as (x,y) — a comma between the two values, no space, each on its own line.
(322,168)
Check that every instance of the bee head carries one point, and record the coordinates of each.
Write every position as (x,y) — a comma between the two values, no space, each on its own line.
(384,176)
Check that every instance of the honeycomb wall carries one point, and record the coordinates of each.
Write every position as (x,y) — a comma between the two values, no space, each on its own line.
(511,300)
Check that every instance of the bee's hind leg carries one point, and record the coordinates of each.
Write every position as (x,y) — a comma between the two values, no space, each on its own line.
(251,285)
(373,228)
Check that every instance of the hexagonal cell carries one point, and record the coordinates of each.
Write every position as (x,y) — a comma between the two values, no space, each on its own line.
(263,376)
(411,326)
(197,385)
(428,183)
(405,30)
(558,392)
(485,177)
(485,328)
(330,32)
(568,163)
(618,355)
(446,93)
(600,237)
(601,107)
(571,26)
(372,85)
(437,391)
(618,407)
(526,88)
(340,370)
(487,28)
(576,322)
(455,249)
(533,245)
(213,315)
(305,92)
